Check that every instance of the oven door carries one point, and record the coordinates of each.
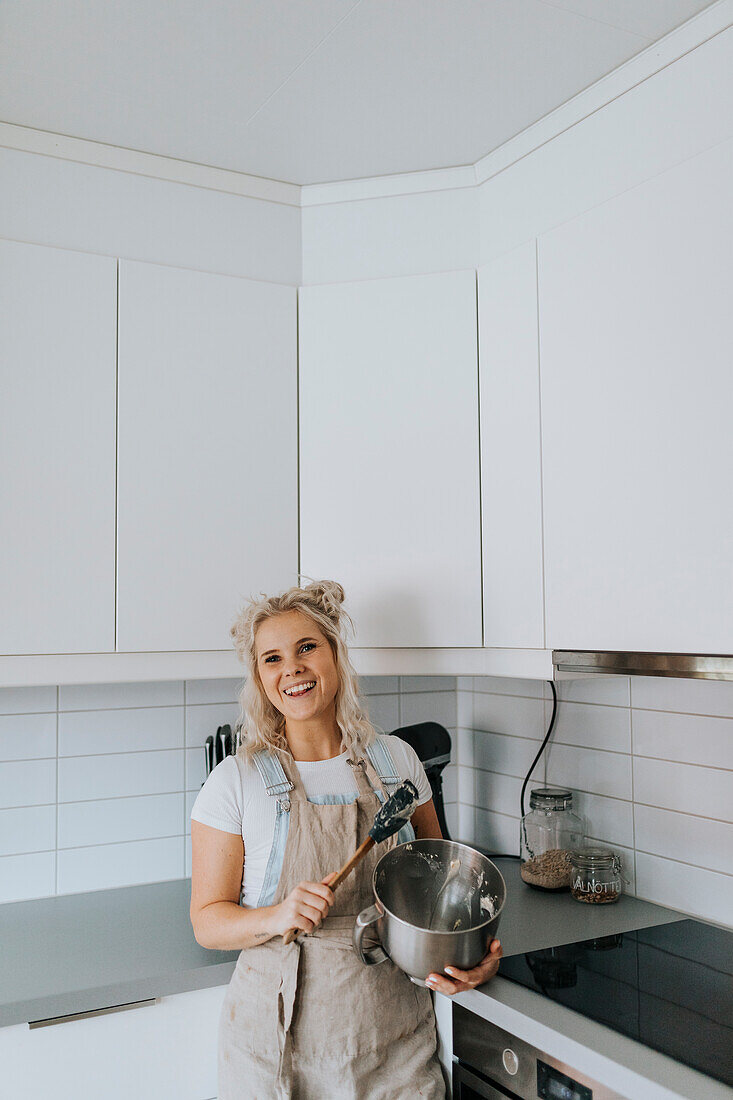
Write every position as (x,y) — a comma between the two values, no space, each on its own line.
(468,1085)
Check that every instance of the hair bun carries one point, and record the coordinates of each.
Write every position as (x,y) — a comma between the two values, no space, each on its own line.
(329,595)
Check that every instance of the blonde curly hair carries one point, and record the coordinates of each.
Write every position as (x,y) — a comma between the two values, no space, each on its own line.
(263,725)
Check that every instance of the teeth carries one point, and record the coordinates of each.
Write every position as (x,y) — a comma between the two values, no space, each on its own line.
(300,688)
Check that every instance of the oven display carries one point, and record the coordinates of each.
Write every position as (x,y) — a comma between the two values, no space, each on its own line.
(553,1085)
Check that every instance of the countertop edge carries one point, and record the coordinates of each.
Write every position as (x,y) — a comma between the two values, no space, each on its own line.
(629,1067)
(63,1004)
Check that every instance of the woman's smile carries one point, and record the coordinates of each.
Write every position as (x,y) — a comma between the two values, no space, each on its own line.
(296,690)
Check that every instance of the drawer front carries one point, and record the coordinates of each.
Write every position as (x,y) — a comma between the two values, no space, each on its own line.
(163,1051)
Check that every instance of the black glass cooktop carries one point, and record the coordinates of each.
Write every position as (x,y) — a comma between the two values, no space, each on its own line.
(670,987)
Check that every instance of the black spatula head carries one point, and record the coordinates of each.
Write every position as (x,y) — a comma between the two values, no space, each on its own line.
(396,812)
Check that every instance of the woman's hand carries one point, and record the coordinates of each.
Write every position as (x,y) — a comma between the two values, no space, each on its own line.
(461,980)
(304,908)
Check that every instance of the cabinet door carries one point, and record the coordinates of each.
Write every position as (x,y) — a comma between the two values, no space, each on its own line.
(511,474)
(207,489)
(389,462)
(637,392)
(57,450)
(164,1051)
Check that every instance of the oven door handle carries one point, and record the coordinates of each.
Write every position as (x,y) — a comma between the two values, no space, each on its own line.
(462,1075)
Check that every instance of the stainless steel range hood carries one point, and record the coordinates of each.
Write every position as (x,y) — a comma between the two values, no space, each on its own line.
(698,666)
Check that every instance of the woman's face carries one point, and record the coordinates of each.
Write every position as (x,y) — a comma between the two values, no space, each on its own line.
(296,666)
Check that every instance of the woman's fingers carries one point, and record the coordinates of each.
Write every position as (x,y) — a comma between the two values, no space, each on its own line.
(458,981)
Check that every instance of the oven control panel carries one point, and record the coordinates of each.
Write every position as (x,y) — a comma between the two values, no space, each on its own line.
(554,1085)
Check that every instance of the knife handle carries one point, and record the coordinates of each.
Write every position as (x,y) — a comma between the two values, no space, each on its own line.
(209,754)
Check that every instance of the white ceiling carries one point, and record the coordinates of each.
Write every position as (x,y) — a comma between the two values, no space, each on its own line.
(309,91)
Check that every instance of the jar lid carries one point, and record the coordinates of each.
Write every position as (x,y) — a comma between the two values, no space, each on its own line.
(550,798)
(595,857)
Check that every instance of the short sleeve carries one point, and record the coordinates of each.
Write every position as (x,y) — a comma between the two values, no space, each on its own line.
(408,765)
(219,803)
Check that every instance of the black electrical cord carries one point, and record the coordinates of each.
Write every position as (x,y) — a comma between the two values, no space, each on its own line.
(507,855)
(542,746)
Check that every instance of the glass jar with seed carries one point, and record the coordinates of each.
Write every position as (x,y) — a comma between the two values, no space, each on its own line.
(597,875)
(548,833)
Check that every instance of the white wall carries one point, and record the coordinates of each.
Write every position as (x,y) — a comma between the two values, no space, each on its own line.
(97,781)
(650,761)
(56,202)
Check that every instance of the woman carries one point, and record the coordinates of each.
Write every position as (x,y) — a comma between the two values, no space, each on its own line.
(308,1020)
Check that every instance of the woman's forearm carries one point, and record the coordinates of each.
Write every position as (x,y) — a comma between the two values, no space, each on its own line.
(226,926)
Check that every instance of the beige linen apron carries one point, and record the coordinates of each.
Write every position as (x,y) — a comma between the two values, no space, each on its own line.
(309,1021)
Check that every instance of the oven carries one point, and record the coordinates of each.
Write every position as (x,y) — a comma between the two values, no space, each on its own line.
(491,1064)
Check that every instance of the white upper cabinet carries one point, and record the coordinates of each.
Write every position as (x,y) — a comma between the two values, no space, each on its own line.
(57,450)
(637,400)
(511,475)
(207,480)
(389,460)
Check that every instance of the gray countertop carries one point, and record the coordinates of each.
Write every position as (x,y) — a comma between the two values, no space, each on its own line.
(80,952)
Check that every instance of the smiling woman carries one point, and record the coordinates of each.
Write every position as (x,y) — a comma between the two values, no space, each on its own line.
(268,829)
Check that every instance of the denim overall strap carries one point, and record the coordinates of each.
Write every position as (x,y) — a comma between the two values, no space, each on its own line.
(381,760)
(277,786)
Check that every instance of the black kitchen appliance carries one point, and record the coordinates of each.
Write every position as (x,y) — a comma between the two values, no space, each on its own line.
(669,987)
(432,744)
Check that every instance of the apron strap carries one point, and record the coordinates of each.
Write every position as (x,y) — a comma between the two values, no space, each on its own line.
(277,785)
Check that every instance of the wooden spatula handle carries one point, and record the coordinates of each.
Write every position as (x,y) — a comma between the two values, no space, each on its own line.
(345,871)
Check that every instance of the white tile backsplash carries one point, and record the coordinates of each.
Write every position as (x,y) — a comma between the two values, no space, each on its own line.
(27,876)
(97,781)
(27,829)
(514,716)
(593,727)
(113,820)
(682,696)
(425,706)
(28,783)
(682,886)
(698,840)
(109,696)
(212,691)
(384,711)
(685,738)
(650,762)
(24,700)
(88,778)
(684,787)
(94,732)
(580,769)
(27,736)
(106,866)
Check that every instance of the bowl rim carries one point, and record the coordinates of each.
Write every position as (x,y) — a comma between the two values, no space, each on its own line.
(431,840)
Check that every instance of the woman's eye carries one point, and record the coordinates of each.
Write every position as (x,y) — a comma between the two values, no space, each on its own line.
(274,657)
(307,645)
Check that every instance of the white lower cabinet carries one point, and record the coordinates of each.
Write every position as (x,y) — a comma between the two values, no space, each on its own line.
(165,1051)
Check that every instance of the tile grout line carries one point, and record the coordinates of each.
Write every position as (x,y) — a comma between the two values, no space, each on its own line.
(56,836)
(633,799)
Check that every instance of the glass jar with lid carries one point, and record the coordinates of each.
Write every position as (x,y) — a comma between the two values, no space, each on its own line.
(548,833)
(597,875)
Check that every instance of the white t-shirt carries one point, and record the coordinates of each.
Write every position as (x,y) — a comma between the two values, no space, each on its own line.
(234,800)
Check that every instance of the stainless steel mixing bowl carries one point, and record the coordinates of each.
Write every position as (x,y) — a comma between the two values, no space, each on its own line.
(425,921)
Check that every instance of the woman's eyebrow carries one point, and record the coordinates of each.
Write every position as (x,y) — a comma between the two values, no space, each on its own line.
(299,642)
